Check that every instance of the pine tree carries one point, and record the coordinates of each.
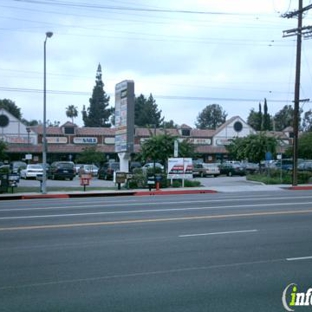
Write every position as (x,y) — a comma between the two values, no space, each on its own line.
(260,118)
(98,113)
(146,112)
(266,117)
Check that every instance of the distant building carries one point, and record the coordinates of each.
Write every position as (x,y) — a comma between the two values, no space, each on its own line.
(68,140)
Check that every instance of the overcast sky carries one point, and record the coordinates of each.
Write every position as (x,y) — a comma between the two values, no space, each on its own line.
(186,53)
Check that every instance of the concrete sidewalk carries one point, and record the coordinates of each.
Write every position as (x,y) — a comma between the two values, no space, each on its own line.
(168,191)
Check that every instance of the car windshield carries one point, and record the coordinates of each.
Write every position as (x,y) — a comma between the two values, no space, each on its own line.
(65,165)
(115,166)
(34,167)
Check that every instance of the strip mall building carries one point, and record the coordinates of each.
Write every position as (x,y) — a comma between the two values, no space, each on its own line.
(69,140)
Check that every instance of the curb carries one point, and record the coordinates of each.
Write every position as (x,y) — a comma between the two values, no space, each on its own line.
(105,194)
(300,188)
(39,196)
(177,192)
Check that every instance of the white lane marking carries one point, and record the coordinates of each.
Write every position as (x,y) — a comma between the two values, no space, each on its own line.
(127,204)
(150,210)
(217,233)
(299,258)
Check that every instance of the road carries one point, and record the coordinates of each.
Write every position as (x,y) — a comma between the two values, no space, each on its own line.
(205,252)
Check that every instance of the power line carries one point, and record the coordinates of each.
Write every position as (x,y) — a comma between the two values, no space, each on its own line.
(165,97)
(124,8)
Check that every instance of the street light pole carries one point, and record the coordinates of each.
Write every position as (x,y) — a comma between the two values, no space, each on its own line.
(49,34)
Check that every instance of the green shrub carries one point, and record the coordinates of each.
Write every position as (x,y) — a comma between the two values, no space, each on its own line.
(176,183)
(191,183)
(278,177)
(187,183)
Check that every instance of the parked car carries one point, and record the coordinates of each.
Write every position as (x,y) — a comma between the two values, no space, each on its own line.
(77,167)
(231,169)
(204,170)
(151,166)
(134,165)
(305,166)
(250,167)
(61,170)
(106,171)
(88,169)
(17,166)
(284,164)
(31,171)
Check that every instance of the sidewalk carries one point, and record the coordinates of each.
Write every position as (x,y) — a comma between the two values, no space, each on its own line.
(168,191)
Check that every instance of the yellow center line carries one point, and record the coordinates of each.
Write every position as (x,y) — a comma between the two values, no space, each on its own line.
(86,224)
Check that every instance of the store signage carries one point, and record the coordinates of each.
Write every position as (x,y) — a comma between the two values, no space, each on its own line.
(200,141)
(109,140)
(223,142)
(124,116)
(16,140)
(56,140)
(85,140)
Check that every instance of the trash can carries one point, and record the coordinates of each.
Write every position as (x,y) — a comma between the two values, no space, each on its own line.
(4,183)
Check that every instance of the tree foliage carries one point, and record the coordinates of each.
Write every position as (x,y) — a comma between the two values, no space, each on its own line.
(253,147)
(71,112)
(11,107)
(305,145)
(161,147)
(211,117)
(307,121)
(3,149)
(260,121)
(97,114)
(90,155)
(146,112)
(31,123)
(266,120)
(169,125)
(55,123)
(284,118)
(254,120)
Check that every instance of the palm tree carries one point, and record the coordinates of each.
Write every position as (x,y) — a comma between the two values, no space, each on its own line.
(71,112)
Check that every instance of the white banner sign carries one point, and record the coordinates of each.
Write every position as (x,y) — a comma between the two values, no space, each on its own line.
(180,168)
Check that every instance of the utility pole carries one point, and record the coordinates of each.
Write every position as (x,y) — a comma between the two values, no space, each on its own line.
(299,31)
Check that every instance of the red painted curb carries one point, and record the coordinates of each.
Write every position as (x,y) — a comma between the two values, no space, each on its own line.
(177,192)
(301,188)
(44,196)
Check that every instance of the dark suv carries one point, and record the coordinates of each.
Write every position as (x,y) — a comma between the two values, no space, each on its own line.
(61,170)
(106,171)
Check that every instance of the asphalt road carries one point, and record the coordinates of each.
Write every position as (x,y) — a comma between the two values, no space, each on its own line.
(206,252)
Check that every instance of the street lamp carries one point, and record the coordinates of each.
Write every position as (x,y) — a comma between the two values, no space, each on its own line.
(49,34)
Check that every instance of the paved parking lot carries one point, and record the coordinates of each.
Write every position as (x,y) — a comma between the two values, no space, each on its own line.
(207,182)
